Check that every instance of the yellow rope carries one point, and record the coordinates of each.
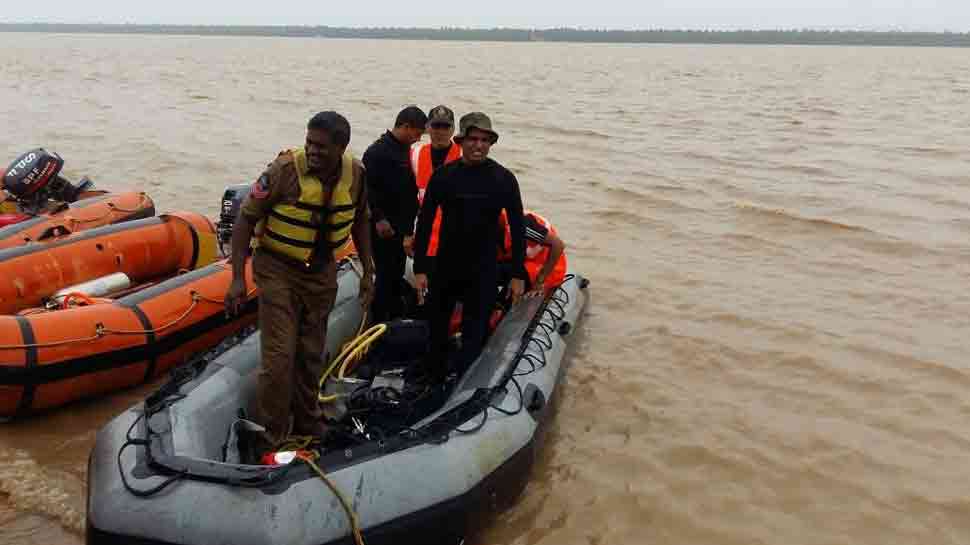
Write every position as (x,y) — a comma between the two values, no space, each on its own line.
(352,352)
(367,338)
(296,443)
(354,523)
(360,337)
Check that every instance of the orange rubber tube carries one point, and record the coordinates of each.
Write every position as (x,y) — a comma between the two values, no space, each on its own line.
(48,359)
(87,213)
(145,249)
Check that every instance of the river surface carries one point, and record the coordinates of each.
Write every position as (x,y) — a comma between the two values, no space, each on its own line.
(778,239)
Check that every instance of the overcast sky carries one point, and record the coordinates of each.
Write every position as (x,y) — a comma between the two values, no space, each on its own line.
(936,15)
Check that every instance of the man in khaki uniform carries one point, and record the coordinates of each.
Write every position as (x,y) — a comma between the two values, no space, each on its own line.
(303,209)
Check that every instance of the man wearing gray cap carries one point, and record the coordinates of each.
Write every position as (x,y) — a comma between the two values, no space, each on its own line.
(471,194)
(428,157)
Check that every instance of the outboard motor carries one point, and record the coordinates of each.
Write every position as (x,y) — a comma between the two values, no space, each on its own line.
(232,200)
(34,178)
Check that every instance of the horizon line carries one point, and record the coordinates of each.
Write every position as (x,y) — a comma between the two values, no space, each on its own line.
(802,37)
(887,30)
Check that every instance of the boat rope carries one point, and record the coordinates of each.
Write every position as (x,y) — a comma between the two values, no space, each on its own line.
(131,441)
(100,330)
(351,354)
(355,349)
(554,308)
(196,299)
(195,303)
(162,399)
(351,514)
(82,298)
(113,208)
(97,335)
(301,446)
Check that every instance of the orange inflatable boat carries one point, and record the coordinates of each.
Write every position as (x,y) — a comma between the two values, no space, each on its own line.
(17,228)
(108,308)
(37,204)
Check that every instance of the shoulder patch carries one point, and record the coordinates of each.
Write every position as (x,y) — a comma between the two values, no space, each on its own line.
(260,188)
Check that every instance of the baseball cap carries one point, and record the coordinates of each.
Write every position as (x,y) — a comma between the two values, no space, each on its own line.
(441,114)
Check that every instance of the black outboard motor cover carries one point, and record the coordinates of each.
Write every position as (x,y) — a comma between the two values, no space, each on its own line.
(232,200)
(31,172)
(70,192)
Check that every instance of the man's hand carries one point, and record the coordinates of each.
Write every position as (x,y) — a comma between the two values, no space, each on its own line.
(409,245)
(539,289)
(516,288)
(234,296)
(366,290)
(421,286)
(384,229)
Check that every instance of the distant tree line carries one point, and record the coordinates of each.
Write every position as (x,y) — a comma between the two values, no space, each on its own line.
(792,37)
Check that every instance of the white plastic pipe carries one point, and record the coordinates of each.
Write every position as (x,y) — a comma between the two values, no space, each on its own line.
(96,288)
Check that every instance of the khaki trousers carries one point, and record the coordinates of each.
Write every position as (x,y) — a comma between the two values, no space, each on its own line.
(293,309)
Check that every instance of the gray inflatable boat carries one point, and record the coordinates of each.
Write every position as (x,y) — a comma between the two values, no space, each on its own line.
(169,470)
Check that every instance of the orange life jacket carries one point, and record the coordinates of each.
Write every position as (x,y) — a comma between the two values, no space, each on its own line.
(536,254)
(421,164)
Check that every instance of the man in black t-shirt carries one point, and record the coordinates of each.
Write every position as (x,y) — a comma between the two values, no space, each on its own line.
(393,198)
(471,194)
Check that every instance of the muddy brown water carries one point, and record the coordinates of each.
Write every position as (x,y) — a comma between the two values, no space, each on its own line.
(776,347)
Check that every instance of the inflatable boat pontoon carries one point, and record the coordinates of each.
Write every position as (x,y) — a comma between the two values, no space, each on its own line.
(412,467)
